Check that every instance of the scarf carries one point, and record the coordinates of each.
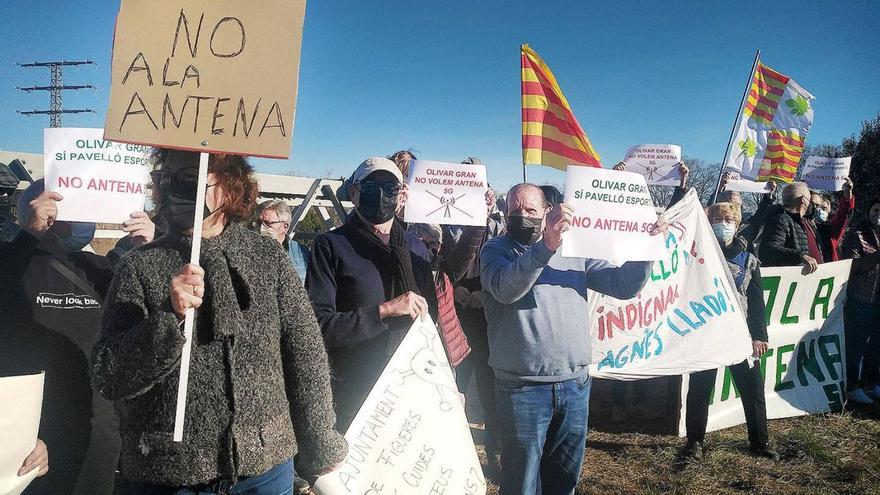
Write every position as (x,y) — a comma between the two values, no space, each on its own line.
(393,259)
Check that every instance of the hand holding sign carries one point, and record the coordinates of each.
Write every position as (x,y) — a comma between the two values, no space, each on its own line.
(186,289)
(847,188)
(140,228)
(42,214)
(38,459)
(409,304)
(558,221)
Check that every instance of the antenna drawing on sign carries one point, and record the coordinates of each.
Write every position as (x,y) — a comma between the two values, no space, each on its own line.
(651,171)
(427,366)
(446,203)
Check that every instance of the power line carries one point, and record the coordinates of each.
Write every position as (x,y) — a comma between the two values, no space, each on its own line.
(55,88)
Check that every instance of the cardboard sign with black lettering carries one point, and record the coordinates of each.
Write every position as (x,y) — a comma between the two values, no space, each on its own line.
(101,181)
(206,76)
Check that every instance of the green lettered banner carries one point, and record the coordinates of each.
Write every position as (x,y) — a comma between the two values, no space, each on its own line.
(804,366)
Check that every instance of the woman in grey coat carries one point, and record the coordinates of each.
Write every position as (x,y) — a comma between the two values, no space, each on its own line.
(259,383)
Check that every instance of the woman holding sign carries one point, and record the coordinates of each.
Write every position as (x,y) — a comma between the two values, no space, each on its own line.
(726,219)
(259,386)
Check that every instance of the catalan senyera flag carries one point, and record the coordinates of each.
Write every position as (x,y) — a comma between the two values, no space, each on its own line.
(777,115)
(551,135)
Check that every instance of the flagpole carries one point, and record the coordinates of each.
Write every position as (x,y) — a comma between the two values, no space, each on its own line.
(735,122)
(524,173)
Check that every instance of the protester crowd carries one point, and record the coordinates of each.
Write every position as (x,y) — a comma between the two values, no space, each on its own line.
(289,341)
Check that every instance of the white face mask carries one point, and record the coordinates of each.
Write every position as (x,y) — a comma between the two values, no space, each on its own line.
(821,215)
(267,232)
(724,231)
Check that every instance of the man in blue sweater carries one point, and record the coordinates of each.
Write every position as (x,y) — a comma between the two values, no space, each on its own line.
(539,342)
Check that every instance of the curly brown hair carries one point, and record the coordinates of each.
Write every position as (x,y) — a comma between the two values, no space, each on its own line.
(234,175)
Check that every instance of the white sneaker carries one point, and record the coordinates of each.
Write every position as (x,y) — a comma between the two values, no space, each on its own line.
(859,396)
(874,392)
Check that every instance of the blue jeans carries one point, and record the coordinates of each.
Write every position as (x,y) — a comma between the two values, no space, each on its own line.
(276,481)
(543,429)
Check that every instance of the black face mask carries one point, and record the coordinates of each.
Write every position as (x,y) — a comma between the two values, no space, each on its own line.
(181,212)
(5,205)
(433,254)
(524,230)
(811,212)
(377,207)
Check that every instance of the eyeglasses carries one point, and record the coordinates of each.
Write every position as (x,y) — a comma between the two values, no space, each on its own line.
(271,225)
(373,187)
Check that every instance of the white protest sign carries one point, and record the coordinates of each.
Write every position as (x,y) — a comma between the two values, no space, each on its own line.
(827,174)
(411,435)
(446,193)
(746,185)
(804,366)
(22,399)
(101,181)
(657,162)
(688,316)
(613,214)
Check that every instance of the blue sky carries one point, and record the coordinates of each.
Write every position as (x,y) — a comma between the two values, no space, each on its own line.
(443,77)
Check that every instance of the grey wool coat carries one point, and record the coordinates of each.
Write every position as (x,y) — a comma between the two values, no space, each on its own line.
(259,382)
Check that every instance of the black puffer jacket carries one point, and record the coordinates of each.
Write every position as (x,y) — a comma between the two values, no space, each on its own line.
(785,241)
(259,383)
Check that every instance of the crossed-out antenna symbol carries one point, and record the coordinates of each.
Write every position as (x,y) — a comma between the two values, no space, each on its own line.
(446,203)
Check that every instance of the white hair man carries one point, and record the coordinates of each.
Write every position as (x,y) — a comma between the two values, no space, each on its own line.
(274,222)
(789,237)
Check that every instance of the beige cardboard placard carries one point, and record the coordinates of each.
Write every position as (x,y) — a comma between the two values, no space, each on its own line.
(185,72)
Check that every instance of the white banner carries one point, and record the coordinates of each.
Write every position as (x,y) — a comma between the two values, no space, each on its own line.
(101,181)
(446,193)
(827,174)
(657,162)
(687,318)
(411,435)
(613,213)
(804,367)
(22,399)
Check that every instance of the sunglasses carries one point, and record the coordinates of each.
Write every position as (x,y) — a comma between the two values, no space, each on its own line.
(179,185)
(373,187)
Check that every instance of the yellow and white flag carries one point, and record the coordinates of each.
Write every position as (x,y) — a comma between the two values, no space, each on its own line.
(776,117)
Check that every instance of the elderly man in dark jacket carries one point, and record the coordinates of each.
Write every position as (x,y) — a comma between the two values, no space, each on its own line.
(790,239)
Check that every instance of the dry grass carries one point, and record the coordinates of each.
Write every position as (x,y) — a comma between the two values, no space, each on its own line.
(821,454)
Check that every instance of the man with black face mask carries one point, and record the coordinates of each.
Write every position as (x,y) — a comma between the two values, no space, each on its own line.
(539,342)
(368,281)
(51,304)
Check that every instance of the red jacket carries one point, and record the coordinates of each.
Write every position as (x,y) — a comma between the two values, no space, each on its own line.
(831,233)
(454,341)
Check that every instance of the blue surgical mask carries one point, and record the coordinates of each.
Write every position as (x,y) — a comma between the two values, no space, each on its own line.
(821,215)
(64,239)
(724,231)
